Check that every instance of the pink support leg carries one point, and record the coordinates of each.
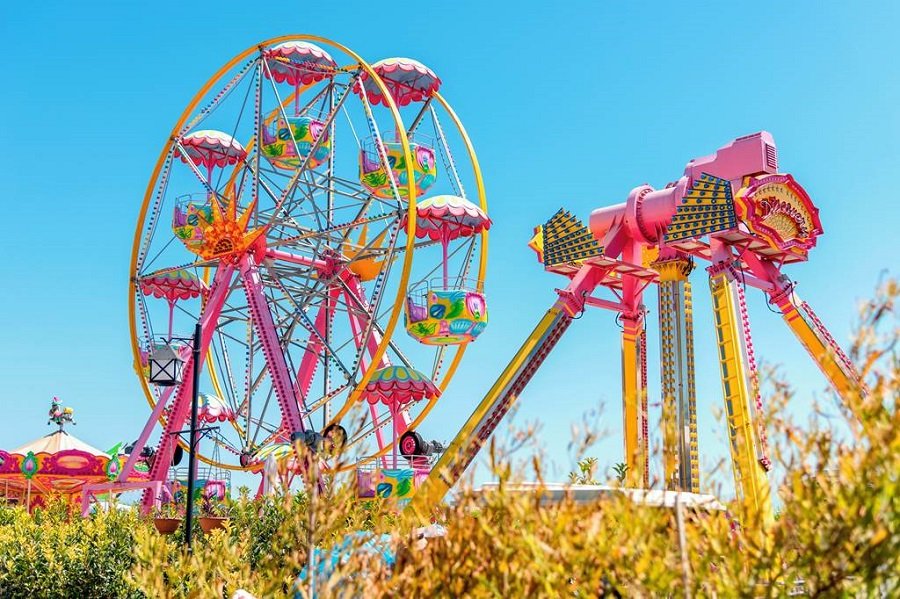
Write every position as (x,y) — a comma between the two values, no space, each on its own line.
(271,345)
(145,434)
(356,327)
(314,347)
(182,403)
(356,298)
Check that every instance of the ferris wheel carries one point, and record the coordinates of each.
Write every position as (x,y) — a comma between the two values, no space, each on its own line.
(305,206)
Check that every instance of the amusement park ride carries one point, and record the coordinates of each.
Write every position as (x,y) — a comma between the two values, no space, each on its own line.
(732,209)
(314,199)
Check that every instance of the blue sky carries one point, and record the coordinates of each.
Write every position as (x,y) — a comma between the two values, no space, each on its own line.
(566,106)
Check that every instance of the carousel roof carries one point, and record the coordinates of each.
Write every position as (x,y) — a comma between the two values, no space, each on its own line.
(58,441)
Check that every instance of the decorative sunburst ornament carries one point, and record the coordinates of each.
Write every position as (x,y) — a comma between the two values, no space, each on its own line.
(226,235)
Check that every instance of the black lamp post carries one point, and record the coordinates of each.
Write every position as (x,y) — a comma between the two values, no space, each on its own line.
(166,370)
(192,444)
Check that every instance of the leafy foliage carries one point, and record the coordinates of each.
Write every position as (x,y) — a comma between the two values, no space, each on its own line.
(587,467)
(55,554)
(621,470)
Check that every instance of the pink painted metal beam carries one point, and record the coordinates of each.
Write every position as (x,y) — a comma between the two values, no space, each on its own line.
(354,295)
(182,403)
(357,329)
(148,428)
(315,346)
(295,258)
(597,302)
(271,346)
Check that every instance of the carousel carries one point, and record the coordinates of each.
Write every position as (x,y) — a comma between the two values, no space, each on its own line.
(58,464)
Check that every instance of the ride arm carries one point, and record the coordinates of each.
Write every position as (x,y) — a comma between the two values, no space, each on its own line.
(503,394)
(750,462)
(813,335)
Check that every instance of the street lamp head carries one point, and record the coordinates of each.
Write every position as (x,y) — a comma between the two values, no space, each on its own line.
(166,367)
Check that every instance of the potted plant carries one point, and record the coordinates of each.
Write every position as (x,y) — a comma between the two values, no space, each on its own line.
(213,512)
(168,516)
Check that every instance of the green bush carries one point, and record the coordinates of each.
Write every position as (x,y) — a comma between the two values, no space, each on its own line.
(52,554)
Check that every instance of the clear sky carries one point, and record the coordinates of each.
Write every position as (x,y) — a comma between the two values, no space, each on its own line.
(566,106)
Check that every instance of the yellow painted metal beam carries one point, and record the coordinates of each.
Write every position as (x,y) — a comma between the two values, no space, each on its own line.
(751,480)
(634,401)
(490,411)
(824,350)
(679,407)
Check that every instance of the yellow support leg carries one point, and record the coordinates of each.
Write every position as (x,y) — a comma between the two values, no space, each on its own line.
(751,480)
(679,418)
(823,349)
(634,401)
(488,414)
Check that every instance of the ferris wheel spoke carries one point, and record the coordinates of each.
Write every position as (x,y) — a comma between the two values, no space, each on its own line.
(219,98)
(449,163)
(379,422)
(345,226)
(153,219)
(323,345)
(149,263)
(315,345)
(375,333)
(300,316)
(315,146)
(262,183)
(258,422)
(247,404)
(418,119)
(309,193)
(226,366)
(204,179)
(371,307)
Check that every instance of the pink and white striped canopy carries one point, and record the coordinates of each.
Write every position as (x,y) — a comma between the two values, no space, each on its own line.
(407,81)
(173,285)
(211,148)
(397,386)
(449,217)
(299,62)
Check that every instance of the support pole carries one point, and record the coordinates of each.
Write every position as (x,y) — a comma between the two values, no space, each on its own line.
(192,445)
(679,420)
(813,336)
(634,393)
(739,387)
(823,349)
(634,374)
